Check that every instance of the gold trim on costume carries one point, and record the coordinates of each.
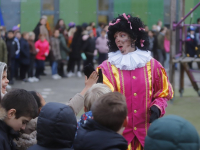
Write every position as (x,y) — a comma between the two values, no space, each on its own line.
(107,82)
(123,83)
(149,69)
(146,98)
(160,88)
(116,75)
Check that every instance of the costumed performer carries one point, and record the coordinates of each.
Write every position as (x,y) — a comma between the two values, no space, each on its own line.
(132,71)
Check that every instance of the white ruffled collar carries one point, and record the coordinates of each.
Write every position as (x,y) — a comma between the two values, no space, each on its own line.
(130,61)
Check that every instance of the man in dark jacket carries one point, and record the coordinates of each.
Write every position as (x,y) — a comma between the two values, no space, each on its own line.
(160,46)
(104,132)
(12,48)
(172,133)
(24,56)
(56,127)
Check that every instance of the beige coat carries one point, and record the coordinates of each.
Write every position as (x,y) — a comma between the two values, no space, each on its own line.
(43,30)
(77,103)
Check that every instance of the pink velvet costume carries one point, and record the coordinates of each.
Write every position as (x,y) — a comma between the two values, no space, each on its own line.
(143,87)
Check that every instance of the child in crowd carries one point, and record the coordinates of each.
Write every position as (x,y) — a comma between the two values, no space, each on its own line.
(12,48)
(191,44)
(3,78)
(24,56)
(28,137)
(18,107)
(172,133)
(42,48)
(105,129)
(33,53)
(90,97)
(101,46)
(77,102)
(55,54)
(56,127)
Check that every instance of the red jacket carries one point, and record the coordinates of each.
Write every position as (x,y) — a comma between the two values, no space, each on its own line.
(42,48)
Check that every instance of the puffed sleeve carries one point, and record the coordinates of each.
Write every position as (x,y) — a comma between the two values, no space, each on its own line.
(162,89)
(106,76)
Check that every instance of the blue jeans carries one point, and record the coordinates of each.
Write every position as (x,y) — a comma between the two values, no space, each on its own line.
(54,68)
(167,61)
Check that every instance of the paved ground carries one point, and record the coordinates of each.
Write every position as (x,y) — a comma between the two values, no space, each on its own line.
(54,90)
(64,89)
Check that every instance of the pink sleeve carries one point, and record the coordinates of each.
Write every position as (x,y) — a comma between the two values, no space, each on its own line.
(162,89)
(167,45)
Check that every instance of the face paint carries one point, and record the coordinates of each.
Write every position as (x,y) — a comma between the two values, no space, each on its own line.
(123,42)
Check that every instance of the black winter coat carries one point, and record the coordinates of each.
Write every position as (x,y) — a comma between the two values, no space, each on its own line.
(37,31)
(76,48)
(7,134)
(89,46)
(24,52)
(56,127)
(93,136)
(11,48)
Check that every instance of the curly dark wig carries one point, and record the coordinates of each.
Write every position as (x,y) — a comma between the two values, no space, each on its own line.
(134,33)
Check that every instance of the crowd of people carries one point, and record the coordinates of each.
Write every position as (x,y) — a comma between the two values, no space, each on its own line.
(26,53)
(159,38)
(124,99)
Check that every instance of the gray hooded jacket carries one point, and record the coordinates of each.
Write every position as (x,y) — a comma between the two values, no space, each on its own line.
(2,66)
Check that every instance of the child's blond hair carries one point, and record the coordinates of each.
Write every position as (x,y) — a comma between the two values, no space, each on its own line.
(94,93)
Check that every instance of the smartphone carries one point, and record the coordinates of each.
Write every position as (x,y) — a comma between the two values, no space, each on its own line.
(100,80)
(88,70)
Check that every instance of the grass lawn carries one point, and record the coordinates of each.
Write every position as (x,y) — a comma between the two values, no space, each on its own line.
(187,107)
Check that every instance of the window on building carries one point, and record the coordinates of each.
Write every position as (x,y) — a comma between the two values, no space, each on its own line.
(103,5)
(48,5)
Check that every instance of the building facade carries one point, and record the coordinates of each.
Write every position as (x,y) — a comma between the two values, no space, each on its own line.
(27,13)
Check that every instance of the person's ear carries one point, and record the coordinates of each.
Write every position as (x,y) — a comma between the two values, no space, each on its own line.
(85,109)
(125,123)
(11,113)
